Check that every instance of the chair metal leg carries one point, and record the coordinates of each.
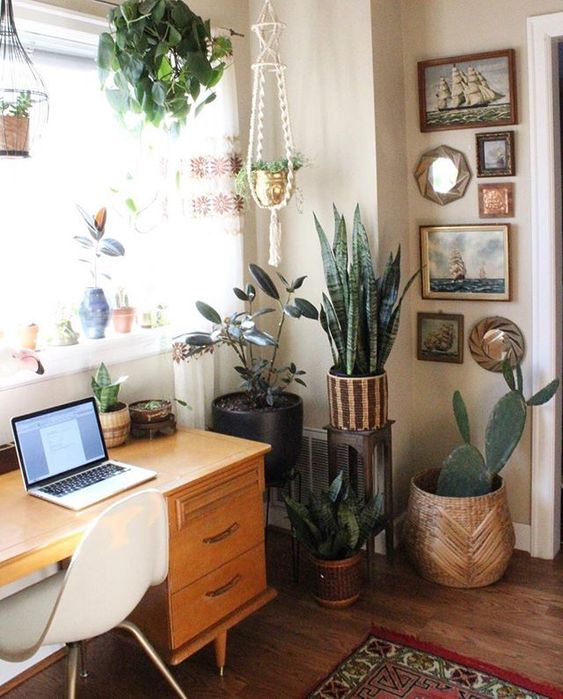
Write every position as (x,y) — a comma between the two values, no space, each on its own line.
(82,660)
(71,667)
(153,655)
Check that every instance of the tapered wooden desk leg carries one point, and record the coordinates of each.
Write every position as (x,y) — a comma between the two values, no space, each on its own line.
(221,651)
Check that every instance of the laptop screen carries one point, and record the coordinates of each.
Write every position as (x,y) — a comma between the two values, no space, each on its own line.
(58,440)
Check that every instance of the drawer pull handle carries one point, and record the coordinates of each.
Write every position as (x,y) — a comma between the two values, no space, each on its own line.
(223,535)
(221,590)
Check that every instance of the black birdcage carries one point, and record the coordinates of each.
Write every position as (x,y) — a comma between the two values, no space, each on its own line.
(24,105)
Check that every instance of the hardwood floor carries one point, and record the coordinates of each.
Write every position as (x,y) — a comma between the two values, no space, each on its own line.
(284,649)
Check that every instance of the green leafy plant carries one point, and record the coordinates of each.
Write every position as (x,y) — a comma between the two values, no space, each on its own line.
(19,108)
(262,380)
(361,313)
(466,472)
(334,525)
(160,60)
(242,187)
(105,390)
(96,244)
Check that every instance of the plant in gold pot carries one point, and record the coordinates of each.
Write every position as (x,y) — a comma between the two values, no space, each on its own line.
(269,179)
(458,530)
(334,526)
(114,415)
(361,317)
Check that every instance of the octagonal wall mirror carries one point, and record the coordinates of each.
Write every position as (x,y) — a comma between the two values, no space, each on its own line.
(442,174)
(494,339)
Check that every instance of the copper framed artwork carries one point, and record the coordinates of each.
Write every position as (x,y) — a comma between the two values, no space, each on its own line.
(495,154)
(465,263)
(496,200)
(440,337)
(465,92)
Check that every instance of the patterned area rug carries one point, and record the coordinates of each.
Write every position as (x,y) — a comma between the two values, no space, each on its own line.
(390,666)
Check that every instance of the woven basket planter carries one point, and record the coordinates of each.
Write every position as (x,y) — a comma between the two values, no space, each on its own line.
(337,583)
(115,426)
(357,402)
(459,542)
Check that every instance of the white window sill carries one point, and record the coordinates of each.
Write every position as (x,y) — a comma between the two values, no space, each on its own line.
(61,361)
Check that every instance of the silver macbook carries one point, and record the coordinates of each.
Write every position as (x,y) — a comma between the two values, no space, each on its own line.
(63,456)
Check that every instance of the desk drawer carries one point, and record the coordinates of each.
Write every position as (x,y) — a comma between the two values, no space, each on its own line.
(209,599)
(213,535)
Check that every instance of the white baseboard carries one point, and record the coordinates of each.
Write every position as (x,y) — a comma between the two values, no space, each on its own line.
(523,534)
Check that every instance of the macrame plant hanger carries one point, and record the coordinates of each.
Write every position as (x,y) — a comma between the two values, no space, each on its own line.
(269,30)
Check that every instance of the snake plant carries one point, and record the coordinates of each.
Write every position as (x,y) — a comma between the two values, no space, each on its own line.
(105,390)
(466,472)
(334,525)
(361,313)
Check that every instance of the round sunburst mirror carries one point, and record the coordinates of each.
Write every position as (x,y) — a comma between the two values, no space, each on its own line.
(494,339)
(442,174)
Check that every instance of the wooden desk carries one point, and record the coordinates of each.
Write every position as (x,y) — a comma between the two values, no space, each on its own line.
(213,485)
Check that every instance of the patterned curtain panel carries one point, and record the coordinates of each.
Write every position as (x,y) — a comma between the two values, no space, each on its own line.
(206,215)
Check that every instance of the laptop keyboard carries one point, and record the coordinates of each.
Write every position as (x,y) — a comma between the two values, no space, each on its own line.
(83,480)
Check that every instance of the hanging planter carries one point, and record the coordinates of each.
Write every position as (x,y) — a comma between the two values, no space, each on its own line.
(270,189)
(14,126)
(160,62)
(269,179)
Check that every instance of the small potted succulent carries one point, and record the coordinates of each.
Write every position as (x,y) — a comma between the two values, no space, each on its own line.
(94,309)
(114,415)
(269,178)
(62,333)
(458,530)
(264,410)
(14,125)
(27,336)
(144,412)
(122,315)
(334,526)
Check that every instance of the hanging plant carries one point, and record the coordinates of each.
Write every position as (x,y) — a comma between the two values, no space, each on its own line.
(160,61)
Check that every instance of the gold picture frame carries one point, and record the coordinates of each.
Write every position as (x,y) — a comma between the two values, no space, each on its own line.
(495,154)
(465,263)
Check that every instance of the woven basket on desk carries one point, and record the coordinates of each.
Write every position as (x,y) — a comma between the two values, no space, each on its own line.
(357,402)
(460,542)
(115,426)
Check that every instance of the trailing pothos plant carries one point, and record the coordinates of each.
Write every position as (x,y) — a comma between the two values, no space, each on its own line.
(263,380)
(361,313)
(160,60)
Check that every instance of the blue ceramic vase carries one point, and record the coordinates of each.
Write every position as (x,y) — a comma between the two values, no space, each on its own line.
(94,313)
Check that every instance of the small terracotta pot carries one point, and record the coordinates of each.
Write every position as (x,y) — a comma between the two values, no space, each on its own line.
(123,319)
(14,135)
(27,336)
(115,426)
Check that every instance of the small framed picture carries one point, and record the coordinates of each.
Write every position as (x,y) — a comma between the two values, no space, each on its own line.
(465,263)
(495,154)
(496,200)
(466,92)
(440,337)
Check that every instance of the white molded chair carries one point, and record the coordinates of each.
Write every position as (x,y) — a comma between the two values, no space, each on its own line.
(123,552)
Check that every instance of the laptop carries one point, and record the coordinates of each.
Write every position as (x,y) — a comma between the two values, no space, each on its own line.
(63,456)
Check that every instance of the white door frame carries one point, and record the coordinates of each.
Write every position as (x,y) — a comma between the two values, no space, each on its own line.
(543,32)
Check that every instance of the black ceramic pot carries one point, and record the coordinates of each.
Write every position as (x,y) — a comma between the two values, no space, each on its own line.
(281,427)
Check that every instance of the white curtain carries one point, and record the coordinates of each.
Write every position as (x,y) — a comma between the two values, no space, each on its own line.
(207,215)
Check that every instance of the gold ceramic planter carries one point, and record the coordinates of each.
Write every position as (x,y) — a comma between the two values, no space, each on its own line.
(270,187)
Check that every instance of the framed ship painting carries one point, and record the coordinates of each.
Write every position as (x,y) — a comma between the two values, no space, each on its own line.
(465,263)
(440,337)
(465,92)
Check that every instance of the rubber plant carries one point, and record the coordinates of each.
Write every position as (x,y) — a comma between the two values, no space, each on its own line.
(160,60)
(466,472)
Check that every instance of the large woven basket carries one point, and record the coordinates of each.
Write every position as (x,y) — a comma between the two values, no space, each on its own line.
(337,583)
(357,402)
(459,542)
(115,426)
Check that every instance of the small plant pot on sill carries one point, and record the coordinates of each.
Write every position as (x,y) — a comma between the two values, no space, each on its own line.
(458,541)
(14,136)
(337,584)
(123,319)
(27,336)
(115,426)
(357,402)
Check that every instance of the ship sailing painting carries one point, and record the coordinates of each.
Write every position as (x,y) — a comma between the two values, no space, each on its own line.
(440,337)
(467,91)
(465,262)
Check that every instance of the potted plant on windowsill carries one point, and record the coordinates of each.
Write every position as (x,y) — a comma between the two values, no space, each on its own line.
(94,309)
(123,315)
(361,317)
(264,410)
(114,415)
(269,179)
(14,125)
(334,526)
(458,529)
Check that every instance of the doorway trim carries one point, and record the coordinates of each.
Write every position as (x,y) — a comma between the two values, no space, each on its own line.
(545,177)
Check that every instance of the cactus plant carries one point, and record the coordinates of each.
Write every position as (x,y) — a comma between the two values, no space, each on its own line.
(465,472)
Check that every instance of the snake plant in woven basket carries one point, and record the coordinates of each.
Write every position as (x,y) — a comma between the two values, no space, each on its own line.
(361,313)
(466,472)
(105,390)
(334,525)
